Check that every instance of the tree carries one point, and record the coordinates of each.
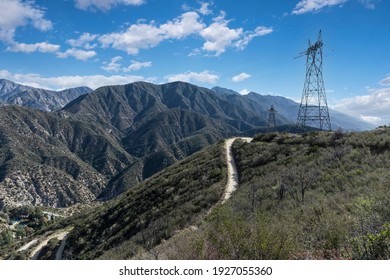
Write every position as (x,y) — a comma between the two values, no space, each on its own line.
(297,180)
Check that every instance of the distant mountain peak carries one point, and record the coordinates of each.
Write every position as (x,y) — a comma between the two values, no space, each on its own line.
(224,91)
(42,99)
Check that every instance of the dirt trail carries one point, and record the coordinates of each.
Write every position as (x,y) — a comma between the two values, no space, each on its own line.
(35,253)
(61,249)
(28,245)
(232,182)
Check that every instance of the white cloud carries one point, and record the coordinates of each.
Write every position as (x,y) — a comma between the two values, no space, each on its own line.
(84,41)
(62,82)
(369,4)
(105,5)
(244,91)
(307,6)
(136,65)
(371,119)
(204,9)
(187,24)
(373,106)
(42,47)
(250,35)
(144,36)
(17,13)
(240,77)
(219,36)
(195,52)
(385,81)
(76,53)
(113,65)
(197,77)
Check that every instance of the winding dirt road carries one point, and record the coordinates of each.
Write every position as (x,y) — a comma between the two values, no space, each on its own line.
(60,236)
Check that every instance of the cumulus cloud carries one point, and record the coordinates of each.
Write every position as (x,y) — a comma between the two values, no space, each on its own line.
(219,36)
(42,47)
(205,9)
(76,53)
(84,41)
(105,5)
(312,6)
(62,82)
(373,106)
(115,66)
(250,35)
(197,77)
(17,13)
(185,25)
(144,36)
(136,65)
(240,77)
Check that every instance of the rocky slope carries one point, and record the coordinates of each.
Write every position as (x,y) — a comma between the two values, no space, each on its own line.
(51,161)
(161,124)
(152,211)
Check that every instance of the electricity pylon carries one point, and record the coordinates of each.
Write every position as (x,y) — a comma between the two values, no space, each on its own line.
(271,118)
(313,110)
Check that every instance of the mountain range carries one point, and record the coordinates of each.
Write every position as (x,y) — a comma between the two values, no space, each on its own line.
(289,109)
(41,99)
(108,140)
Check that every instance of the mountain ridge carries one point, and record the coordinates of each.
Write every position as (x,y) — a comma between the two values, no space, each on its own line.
(42,99)
(122,135)
(289,109)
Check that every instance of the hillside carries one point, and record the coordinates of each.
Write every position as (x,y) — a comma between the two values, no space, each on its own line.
(126,108)
(153,211)
(51,161)
(161,124)
(118,136)
(45,100)
(319,195)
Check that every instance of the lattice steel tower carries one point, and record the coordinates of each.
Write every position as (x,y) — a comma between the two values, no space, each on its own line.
(313,110)
(271,118)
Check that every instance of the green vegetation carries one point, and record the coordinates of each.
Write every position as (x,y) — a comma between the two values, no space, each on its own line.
(19,225)
(317,195)
(153,211)
(49,251)
(320,195)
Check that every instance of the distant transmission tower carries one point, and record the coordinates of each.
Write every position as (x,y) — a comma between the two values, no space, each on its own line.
(271,118)
(313,110)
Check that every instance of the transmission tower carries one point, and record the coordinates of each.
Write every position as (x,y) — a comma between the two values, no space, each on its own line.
(271,118)
(313,110)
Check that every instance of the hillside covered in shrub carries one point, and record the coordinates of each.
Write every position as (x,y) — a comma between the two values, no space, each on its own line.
(320,195)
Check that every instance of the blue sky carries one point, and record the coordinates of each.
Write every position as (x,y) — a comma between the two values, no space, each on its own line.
(244,45)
